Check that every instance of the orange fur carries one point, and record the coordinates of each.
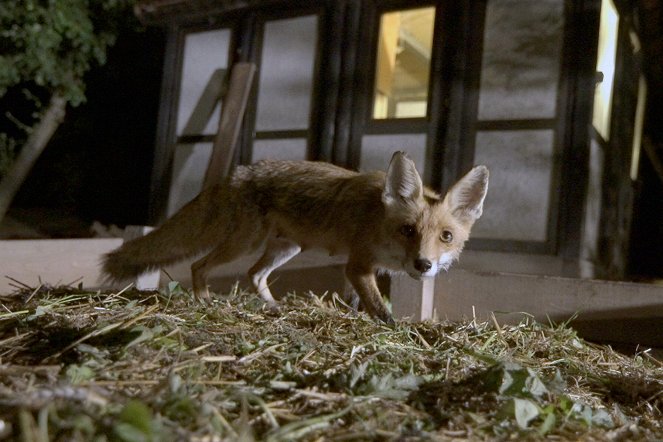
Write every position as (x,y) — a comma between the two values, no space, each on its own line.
(381,221)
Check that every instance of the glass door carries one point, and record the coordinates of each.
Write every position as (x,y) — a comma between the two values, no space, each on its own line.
(285,89)
(205,61)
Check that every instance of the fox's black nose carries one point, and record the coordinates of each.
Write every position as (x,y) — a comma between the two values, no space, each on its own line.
(422,265)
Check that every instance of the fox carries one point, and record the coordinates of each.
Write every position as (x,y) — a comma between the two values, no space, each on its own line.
(382,221)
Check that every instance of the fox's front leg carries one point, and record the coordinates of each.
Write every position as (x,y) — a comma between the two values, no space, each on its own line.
(350,296)
(364,282)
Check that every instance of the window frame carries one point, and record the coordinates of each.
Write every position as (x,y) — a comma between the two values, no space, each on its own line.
(558,124)
(257,20)
(362,121)
(342,110)
(380,11)
(166,136)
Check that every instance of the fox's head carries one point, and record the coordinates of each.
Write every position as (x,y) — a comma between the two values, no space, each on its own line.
(427,232)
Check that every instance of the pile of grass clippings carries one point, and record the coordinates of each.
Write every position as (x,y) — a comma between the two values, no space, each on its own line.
(135,366)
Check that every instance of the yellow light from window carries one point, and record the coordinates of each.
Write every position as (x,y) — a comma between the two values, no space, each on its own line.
(605,63)
(403,63)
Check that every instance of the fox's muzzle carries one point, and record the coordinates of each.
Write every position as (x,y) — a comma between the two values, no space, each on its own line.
(423,265)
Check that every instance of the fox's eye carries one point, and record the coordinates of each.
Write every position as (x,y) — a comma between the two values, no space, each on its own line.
(446,236)
(407,230)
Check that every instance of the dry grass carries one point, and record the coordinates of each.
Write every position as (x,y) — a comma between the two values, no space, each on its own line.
(138,366)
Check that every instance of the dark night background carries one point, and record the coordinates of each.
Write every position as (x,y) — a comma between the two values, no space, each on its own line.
(97,167)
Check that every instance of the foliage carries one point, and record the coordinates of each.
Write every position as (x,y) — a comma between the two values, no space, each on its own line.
(46,48)
(138,366)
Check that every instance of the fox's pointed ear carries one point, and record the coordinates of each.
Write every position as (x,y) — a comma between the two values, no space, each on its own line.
(402,183)
(465,199)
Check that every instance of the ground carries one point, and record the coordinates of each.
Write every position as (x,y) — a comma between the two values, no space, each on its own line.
(79,365)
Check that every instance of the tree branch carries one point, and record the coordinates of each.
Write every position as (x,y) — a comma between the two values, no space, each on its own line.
(30,152)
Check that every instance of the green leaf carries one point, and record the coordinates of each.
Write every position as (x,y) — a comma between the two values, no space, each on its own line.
(79,373)
(392,388)
(39,311)
(175,289)
(135,422)
(515,380)
(602,418)
(549,421)
(144,334)
(131,304)
(85,424)
(557,384)
(175,382)
(582,412)
(534,385)
(129,433)
(524,411)
(182,409)
(357,372)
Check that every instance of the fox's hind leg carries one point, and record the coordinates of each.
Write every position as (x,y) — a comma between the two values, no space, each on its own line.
(225,252)
(278,252)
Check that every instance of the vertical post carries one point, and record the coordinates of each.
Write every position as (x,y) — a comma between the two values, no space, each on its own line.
(412,298)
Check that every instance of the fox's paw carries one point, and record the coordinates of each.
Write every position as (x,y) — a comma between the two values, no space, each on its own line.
(387,319)
(272,309)
(204,300)
(202,296)
(352,300)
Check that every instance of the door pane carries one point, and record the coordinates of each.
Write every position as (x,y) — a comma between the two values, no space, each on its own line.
(521,59)
(520,164)
(403,63)
(286,73)
(377,150)
(189,166)
(284,149)
(204,65)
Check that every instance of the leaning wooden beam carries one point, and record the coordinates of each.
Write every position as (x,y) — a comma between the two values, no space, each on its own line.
(230,122)
(207,102)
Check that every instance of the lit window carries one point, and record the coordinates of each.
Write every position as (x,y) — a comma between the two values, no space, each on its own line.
(605,68)
(403,63)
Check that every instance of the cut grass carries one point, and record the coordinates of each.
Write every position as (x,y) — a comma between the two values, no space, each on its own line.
(139,366)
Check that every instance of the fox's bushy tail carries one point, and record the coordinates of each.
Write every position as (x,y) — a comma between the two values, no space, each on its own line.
(182,236)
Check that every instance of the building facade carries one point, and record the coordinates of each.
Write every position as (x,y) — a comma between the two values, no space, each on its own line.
(549,94)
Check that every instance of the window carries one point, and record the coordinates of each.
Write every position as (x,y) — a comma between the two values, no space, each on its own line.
(204,65)
(205,60)
(403,63)
(520,65)
(519,198)
(517,121)
(286,74)
(285,88)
